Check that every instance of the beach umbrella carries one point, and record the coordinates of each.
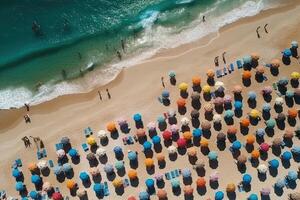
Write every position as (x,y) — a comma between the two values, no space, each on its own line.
(264,147)
(174,128)
(245,122)
(255,154)
(67,167)
(214,177)
(34,195)
(137,117)
(281,117)
(252,95)
(289,133)
(195,96)
(81,193)
(32,166)
(156,140)
(91,141)
(200,164)
(186,173)
(147,146)
(287,52)
(231,130)
(172,149)
(161,119)
(279,101)
(292,175)
(160,157)
(122,121)
(265,191)
(238,105)
(73,153)
(181,143)
(111,127)
(117,182)
(200,182)
(118,150)
(266,107)
(254,113)
(185,121)
(187,135)
(227,99)
(210,73)
(218,101)
(270,123)
(296,150)
(140,132)
(172,74)
(247,178)
(84,176)
(292,113)
(90,156)
(167,135)
(149,183)
(208,107)
(108,168)
(237,89)
(144,195)
(57,170)
(197,133)
(289,94)
(132,174)
(98,188)
(284,81)
(192,151)
(250,139)
(260,69)
(47,187)
(295,75)
(161,194)
(57,196)
(294,44)
(280,183)
(195,114)
(262,169)
(221,137)
(94,171)
(267,90)
(19,186)
(260,132)
(219,84)
(286,156)
(253,197)
(275,63)
(273,163)
(246,74)
(247,59)
(102,134)
(16,173)
(165,94)
(188,190)
(175,183)
(65,140)
(36,179)
(219,195)
(206,89)
(60,153)
(149,162)
(242,159)
(236,145)
(100,152)
(151,126)
(230,187)
(196,80)
(212,155)
(183,86)
(204,143)
(205,125)
(159,177)
(277,142)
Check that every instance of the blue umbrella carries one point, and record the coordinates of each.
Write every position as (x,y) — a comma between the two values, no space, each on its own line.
(274,163)
(236,145)
(228,114)
(289,94)
(287,52)
(212,155)
(283,81)
(271,123)
(197,133)
(260,132)
(84,176)
(36,179)
(266,107)
(238,105)
(161,119)
(296,150)
(16,173)
(292,175)
(118,150)
(247,179)
(108,168)
(172,74)
(73,153)
(156,140)
(137,117)
(119,165)
(165,94)
(67,167)
(247,59)
(219,195)
(286,155)
(58,170)
(186,173)
(98,188)
(19,186)
(144,195)
(252,95)
(175,183)
(149,183)
(280,183)
(253,197)
(65,140)
(147,145)
(34,195)
(294,44)
(132,155)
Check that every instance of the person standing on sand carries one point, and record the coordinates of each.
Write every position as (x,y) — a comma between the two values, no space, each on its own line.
(216,61)
(108,94)
(100,96)
(223,56)
(25,141)
(162,81)
(26,106)
(257,32)
(203,18)
(265,27)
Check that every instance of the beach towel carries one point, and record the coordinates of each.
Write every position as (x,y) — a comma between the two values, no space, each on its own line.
(85,147)
(51,164)
(231,67)
(168,175)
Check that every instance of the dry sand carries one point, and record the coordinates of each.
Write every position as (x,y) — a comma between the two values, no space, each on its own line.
(136,90)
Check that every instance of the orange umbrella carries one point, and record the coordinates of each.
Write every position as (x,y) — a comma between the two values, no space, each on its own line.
(160,157)
(210,73)
(111,127)
(71,184)
(192,151)
(231,130)
(275,63)
(203,142)
(187,135)
(188,190)
(201,182)
(132,174)
(246,74)
(131,198)
(230,187)
(161,194)
(255,154)
(255,56)
(250,139)
(140,132)
(149,162)
(32,166)
(260,69)
(245,122)
(292,113)
(237,89)
(196,80)
(181,102)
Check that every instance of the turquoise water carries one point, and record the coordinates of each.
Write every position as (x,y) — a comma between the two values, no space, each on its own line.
(74,33)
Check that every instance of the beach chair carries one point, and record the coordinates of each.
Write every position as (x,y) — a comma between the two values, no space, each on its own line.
(168,175)
(19,162)
(239,64)
(177,172)
(274,85)
(66,198)
(51,164)
(45,197)
(106,190)
(231,67)
(173,175)
(213,95)
(126,182)
(219,73)
(56,189)
(85,147)
(125,139)
(44,152)
(130,140)
(39,155)
(224,70)
(88,131)
(58,146)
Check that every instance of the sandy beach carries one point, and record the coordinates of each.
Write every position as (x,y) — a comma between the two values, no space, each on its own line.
(136,89)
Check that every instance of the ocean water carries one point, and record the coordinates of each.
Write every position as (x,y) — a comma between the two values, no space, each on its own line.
(70,35)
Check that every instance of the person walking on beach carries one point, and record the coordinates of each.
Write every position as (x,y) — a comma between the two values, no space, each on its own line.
(25,141)
(123,45)
(162,81)
(119,55)
(216,61)
(257,32)
(265,27)
(223,56)
(27,119)
(100,96)
(26,106)
(108,94)
(203,18)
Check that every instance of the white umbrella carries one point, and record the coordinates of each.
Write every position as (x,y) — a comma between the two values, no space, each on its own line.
(172,149)
(262,168)
(171,113)
(151,126)
(219,84)
(80,193)
(100,152)
(185,121)
(102,134)
(42,164)
(47,186)
(279,101)
(217,118)
(60,153)
(214,176)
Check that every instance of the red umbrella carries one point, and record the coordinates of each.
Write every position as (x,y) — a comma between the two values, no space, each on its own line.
(167,135)
(131,198)
(57,196)
(264,147)
(181,143)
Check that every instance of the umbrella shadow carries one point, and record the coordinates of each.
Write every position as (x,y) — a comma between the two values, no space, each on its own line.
(259,78)
(196,104)
(173,81)
(291,121)
(204,150)
(231,195)
(152,133)
(244,130)
(229,121)
(201,172)
(94,163)
(214,184)
(188,196)
(262,177)
(219,109)
(252,103)
(104,141)
(184,94)
(201,190)
(150,170)
(103,159)
(111,176)
(242,168)
(276,150)
(115,134)
(45,172)
(286,60)
(24,192)
(192,159)
(273,171)
(286,163)
(69,174)
(207,96)
(75,160)
(266,115)
(87,183)
(97,178)
(125,128)
(181,151)
(121,172)
(176,191)
(289,101)
(172,120)
(247,187)
(148,153)
(221,145)
(162,164)
(249,148)
(197,88)
(187,180)
(208,116)
(217,126)
(238,97)
(291,184)
(185,128)
(166,101)
(280,124)
(288,142)
(238,113)
(195,122)
(246,82)
(213,164)
(294,83)
(269,131)
(254,162)
(139,124)
(210,81)
(196,141)
(162,126)
(160,183)
(85,197)
(206,134)
(134,182)
(173,156)
(264,155)
(60,177)
(274,71)
(267,97)
(297,99)
(278,191)
(157,148)
(254,121)
(278,108)
(119,190)
(227,106)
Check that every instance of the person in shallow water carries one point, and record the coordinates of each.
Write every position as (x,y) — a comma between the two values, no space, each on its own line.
(203,18)
(119,55)
(123,45)
(36,28)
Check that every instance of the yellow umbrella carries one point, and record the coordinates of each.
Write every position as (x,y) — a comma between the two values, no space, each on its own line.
(203,142)
(183,86)
(295,75)
(91,140)
(206,89)
(32,166)
(71,184)
(210,73)
(254,113)
(187,135)
(117,182)
(132,174)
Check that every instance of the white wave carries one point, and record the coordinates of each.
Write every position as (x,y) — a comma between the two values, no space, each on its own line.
(148,18)
(184,1)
